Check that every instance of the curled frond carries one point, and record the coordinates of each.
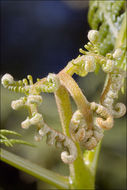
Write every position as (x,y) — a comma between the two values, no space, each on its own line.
(106,120)
(26,101)
(30,78)
(116,83)
(60,140)
(32,99)
(79,62)
(93,48)
(119,110)
(89,63)
(78,126)
(35,119)
(108,66)
(16,104)
(7,79)
(51,84)
(79,131)
(93,36)
(16,86)
(84,64)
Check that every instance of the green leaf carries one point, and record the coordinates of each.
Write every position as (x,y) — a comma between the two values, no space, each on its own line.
(10,142)
(8,132)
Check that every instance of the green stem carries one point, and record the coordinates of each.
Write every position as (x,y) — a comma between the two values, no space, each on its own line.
(91,158)
(64,108)
(34,170)
(82,103)
(80,175)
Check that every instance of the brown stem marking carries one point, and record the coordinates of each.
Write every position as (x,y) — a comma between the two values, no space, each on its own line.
(106,89)
(76,93)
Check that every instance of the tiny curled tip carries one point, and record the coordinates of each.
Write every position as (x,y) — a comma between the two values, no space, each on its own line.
(66,158)
(25,124)
(91,143)
(16,104)
(34,99)
(77,116)
(120,110)
(54,79)
(7,79)
(80,135)
(108,66)
(35,119)
(93,36)
(79,60)
(106,123)
(77,126)
(89,63)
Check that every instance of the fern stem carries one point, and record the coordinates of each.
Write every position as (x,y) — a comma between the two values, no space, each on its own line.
(106,88)
(91,158)
(40,173)
(77,95)
(80,175)
(64,108)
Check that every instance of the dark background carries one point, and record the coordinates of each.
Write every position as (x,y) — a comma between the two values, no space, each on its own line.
(38,37)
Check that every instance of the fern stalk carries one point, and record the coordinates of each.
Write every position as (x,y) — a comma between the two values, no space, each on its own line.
(78,170)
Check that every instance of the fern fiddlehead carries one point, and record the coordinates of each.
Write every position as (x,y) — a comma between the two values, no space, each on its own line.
(17,86)
(88,138)
(82,129)
(60,141)
(51,84)
(115,81)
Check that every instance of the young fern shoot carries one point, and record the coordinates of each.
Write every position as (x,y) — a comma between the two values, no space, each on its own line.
(85,127)
(82,127)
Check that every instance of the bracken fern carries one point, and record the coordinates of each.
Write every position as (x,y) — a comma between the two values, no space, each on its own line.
(85,127)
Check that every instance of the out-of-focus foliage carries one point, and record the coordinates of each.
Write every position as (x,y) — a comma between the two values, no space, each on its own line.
(107,17)
(10,141)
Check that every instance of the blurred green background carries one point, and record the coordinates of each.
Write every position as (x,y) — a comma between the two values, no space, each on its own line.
(35,48)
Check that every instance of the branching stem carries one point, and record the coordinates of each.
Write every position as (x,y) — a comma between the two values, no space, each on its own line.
(76,93)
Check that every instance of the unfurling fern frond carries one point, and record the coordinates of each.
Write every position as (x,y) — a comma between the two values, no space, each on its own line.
(88,138)
(51,84)
(31,101)
(106,17)
(16,86)
(60,141)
